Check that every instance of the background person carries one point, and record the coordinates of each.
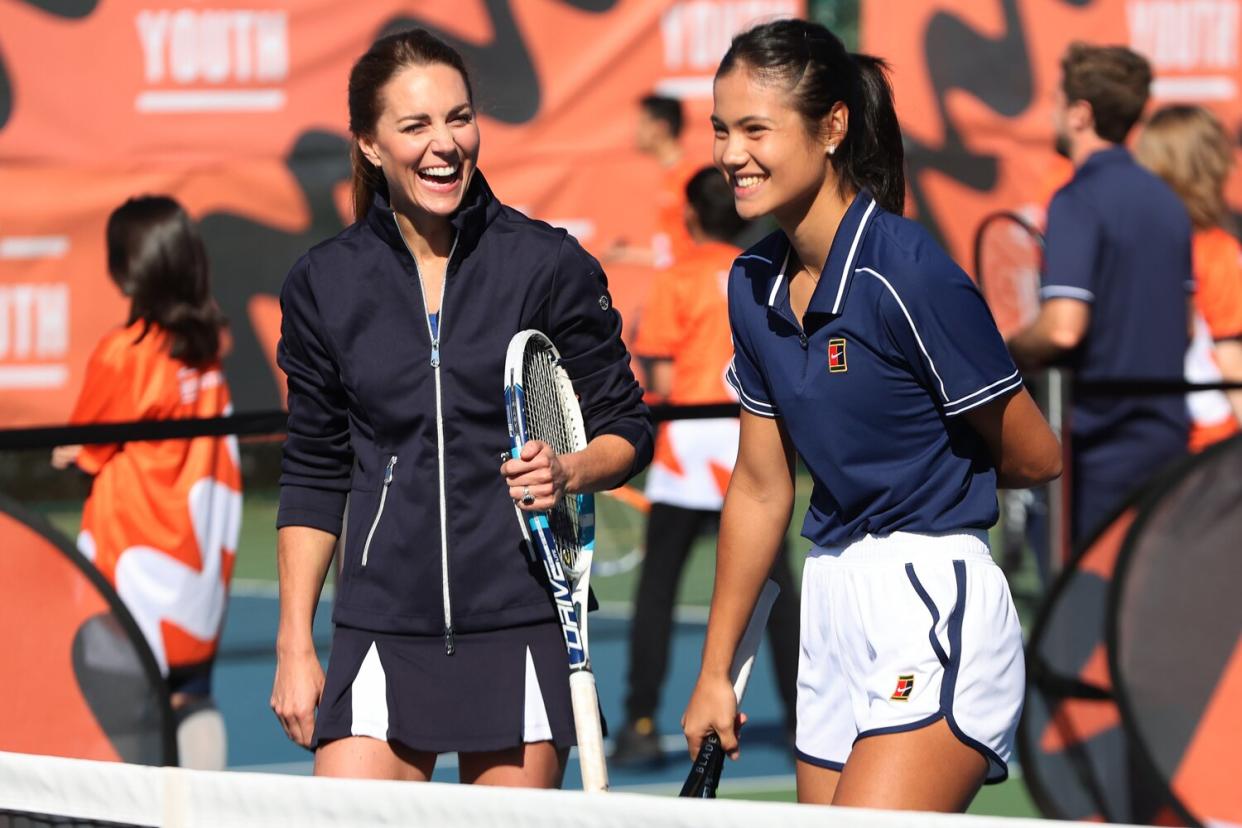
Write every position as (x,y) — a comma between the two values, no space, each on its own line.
(685,339)
(1115,286)
(657,135)
(864,350)
(1188,148)
(163,516)
(393,341)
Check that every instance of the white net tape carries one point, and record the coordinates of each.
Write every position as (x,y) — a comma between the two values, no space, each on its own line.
(178,798)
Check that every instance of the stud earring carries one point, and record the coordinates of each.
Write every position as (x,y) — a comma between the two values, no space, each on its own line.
(832,148)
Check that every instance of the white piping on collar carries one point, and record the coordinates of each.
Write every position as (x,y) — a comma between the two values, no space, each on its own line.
(849,259)
(779,277)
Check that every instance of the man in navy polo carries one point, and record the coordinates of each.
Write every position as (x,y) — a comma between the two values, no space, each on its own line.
(1115,287)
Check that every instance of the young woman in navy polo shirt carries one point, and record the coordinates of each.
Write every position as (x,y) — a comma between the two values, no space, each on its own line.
(863,349)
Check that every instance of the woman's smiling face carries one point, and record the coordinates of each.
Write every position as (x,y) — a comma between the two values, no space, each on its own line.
(426,140)
(763,146)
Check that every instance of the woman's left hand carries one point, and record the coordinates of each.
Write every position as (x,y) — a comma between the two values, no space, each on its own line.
(537,478)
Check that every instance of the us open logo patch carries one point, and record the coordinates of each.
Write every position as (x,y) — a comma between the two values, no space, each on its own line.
(905,686)
(836,356)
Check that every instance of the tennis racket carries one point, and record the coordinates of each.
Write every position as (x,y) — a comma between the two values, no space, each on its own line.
(704,775)
(540,405)
(1009,256)
(620,531)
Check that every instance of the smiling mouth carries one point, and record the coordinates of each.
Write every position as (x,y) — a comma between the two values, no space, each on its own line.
(744,184)
(444,175)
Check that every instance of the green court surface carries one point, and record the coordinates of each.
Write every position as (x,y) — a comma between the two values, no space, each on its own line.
(244,669)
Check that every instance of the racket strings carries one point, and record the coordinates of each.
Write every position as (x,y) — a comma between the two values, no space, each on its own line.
(545,421)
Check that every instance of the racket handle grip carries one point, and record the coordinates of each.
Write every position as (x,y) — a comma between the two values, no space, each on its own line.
(590,735)
(704,775)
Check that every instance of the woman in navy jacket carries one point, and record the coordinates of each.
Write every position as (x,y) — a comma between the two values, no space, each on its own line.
(393,341)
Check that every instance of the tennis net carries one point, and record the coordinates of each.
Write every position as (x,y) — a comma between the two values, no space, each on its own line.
(38,791)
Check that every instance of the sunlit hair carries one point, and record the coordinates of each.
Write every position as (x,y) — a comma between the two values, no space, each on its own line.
(386,58)
(817,71)
(1114,80)
(157,258)
(1187,147)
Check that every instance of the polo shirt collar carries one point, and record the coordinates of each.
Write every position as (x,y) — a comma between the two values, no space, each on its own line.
(1110,155)
(838,270)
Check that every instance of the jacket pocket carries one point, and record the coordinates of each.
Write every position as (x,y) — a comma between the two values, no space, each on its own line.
(389,471)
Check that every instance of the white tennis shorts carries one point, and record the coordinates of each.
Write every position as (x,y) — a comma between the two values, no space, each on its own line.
(901,631)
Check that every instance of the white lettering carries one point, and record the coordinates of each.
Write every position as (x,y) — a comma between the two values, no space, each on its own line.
(52,321)
(214,46)
(696,33)
(22,299)
(152,30)
(34,321)
(1186,35)
(271,46)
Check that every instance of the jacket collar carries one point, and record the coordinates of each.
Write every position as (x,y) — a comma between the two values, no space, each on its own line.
(477,210)
(837,273)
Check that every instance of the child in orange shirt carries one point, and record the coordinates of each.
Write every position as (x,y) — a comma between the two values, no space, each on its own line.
(163,516)
(684,335)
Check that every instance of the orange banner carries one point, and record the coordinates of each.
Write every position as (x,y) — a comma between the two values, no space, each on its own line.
(238,110)
(974,83)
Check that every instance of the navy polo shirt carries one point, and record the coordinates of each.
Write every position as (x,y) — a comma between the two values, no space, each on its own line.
(1119,239)
(897,344)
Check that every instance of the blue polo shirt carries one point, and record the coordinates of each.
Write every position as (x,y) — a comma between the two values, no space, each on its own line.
(1120,240)
(897,344)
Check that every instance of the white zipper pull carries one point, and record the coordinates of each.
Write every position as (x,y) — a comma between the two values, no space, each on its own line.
(435,352)
(379,513)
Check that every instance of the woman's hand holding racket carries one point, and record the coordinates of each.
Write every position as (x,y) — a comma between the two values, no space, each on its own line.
(713,710)
(538,477)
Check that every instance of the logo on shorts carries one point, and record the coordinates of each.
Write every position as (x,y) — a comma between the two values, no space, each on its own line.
(905,686)
(836,356)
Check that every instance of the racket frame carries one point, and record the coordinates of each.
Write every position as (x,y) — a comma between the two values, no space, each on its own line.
(569,585)
(704,776)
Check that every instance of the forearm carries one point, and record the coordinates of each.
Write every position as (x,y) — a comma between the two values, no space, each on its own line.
(752,527)
(603,464)
(1033,347)
(303,556)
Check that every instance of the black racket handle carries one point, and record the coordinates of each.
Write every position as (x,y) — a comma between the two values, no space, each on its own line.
(704,775)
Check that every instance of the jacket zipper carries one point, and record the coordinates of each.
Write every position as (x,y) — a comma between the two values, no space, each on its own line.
(379,513)
(449,644)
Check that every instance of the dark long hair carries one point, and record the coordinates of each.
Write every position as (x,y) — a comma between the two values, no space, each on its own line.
(818,72)
(157,258)
(387,57)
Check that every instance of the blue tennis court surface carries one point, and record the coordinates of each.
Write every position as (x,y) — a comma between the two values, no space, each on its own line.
(243,684)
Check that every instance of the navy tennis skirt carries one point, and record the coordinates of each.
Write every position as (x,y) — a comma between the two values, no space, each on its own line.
(499,689)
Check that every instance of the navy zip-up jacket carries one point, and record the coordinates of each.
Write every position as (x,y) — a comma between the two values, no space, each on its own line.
(412,428)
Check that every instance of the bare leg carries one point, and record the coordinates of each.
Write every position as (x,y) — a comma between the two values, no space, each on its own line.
(928,769)
(361,757)
(533,765)
(816,785)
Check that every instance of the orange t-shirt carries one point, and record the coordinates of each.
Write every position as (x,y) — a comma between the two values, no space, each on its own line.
(672,241)
(162,520)
(1218,315)
(686,319)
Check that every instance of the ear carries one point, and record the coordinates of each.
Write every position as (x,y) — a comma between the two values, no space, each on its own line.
(369,150)
(836,125)
(1080,116)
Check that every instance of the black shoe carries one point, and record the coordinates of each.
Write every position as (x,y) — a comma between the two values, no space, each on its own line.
(638,745)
